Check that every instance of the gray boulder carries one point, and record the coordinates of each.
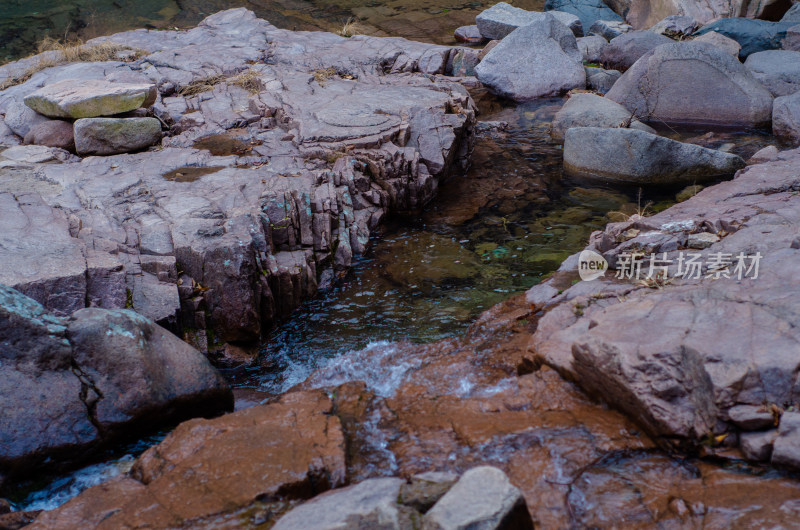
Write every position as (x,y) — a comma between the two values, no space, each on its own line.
(720,41)
(639,157)
(52,133)
(69,384)
(502,18)
(792,39)
(591,110)
(786,118)
(792,15)
(82,98)
(21,118)
(111,136)
(589,11)
(693,83)
(753,35)
(601,80)
(609,29)
(623,51)
(482,498)
(786,449)
(757,446)
(541,59)
(778,70)
(370,504)
(591,47)
(676,26)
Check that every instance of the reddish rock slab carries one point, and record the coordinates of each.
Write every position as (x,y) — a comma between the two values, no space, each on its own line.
(286,450)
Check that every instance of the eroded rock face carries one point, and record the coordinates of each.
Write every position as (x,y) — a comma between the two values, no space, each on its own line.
(536,60)
(688,82)
(634,156)
(292,449)
(693,357)
(297,162)
(71,384)
(645,13)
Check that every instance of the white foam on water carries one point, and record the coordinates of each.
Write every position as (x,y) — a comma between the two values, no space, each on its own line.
(63,489)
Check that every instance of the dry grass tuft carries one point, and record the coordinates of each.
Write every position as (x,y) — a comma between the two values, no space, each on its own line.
(351,27)
(199,86)
(322,75)
(249,80)
(74,52)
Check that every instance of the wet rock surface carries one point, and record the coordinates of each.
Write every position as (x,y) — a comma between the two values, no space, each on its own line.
(289,450)
(630,155)
(71,384)
(338,133)
(678,364)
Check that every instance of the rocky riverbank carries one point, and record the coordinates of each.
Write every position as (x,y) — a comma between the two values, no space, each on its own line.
(215,178)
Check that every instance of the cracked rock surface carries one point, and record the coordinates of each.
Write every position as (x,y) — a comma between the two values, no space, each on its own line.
(284,152)
(70,384)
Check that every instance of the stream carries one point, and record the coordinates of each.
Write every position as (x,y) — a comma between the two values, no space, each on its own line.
(489,234)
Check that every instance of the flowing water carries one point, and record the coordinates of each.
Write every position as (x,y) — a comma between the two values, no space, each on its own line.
(489,234)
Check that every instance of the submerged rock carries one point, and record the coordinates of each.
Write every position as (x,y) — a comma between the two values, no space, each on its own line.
(591,110)
(540,59)
(639,157)
(693,83)
(113,136)
(82,98)
(778,70)
(106,373)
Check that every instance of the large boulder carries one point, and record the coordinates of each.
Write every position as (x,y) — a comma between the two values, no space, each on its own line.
(753,35)
(786,118)
(792,15)
(639,157)
(693,83)
(778,70)
(69,384)
(502,18)
(722,42)
(623,51)
(290,449)
(589,11)
(591,110)
(482,498)
(540,59)
(111,136)
(81,98)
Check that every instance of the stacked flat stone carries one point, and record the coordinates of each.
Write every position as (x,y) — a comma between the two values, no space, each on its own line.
(95,105)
